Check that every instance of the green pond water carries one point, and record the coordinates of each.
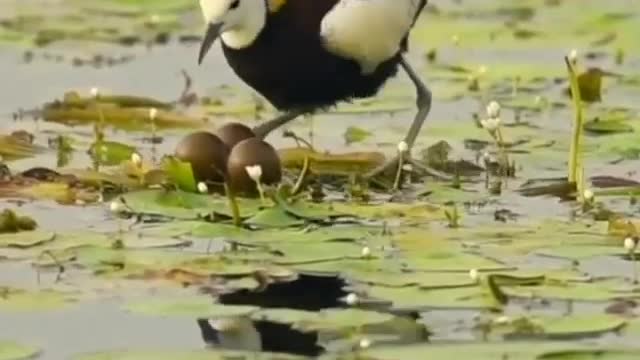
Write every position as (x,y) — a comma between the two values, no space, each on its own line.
(554,279)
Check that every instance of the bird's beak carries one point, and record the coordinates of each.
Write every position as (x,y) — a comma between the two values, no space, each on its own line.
(213,31)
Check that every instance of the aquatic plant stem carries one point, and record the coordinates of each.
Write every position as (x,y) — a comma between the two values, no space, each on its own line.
(261,192)
(233,203)
(632,253)
(396,182)
(574,152)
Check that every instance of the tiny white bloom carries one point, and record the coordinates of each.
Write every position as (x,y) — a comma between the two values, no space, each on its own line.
(588,195)
(493,110)
(154,18)
(364,343)
(491,124)
(94,92)
(573,55)
(153,112)
(501,320)
(136,159)
(403,147)
(482,69)
(407,167)
(254,172)
(630,244)
(203,188)
(366,252)
(473,274)
(115,206)
(351,299)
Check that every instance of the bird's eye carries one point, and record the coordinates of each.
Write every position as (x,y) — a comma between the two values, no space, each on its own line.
(234,4)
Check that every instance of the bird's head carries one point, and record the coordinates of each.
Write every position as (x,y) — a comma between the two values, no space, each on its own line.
(237,21)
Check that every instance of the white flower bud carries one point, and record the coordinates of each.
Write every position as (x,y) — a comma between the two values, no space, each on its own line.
(630,244)
(364,343)
(136,159)
(203,188)
(254,172)
(366,252)
(493,110)
(588,195)
(403,147)
(573,55)
(153,112)
(351,299)
(115,207)
(502,320)
(474,275)
(491,124)
(94,92)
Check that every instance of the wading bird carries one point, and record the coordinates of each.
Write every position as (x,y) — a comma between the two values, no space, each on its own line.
(308,55)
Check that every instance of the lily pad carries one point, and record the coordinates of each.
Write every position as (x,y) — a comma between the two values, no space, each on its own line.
(15,351)
(190,307)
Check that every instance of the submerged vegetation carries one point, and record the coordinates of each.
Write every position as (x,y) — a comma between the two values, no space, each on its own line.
(511,233)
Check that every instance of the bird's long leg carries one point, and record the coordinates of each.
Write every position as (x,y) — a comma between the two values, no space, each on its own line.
(423,102)
(268,126)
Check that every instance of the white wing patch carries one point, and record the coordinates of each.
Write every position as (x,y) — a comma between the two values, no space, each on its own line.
(368,31)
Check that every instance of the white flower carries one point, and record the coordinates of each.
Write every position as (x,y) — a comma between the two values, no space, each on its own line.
(136,159)
(203,188)
(153,112)
(501,320)
(473,274)
(403,147)
(493,110)
(588,195)
(630,244)
(115,206)
(254,172)
(366,252)
(94,92)
(573,55)
(491,124)
(154,18)
(364,343)
(482,69)
(351,299)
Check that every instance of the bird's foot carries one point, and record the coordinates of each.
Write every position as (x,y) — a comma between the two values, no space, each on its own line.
(393,173)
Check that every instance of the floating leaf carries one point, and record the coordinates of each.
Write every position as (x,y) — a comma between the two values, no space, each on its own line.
(25,239)
(15,351)
(180,173)
(190,307)
(355,134)
(18,300)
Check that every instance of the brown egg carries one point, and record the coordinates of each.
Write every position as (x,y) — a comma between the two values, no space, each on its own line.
(233,133)
(206,153)
(250,152)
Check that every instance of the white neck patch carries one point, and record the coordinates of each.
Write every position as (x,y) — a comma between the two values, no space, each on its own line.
(244,31)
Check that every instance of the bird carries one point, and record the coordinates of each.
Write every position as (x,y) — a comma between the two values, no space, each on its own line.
(306,56)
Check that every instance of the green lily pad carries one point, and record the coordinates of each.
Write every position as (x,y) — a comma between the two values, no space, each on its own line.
(14,351)
(26,239)
(494,350)
(19,300)
(273,217)
(111,152)
(190,307)
(415,298)
(207,354)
